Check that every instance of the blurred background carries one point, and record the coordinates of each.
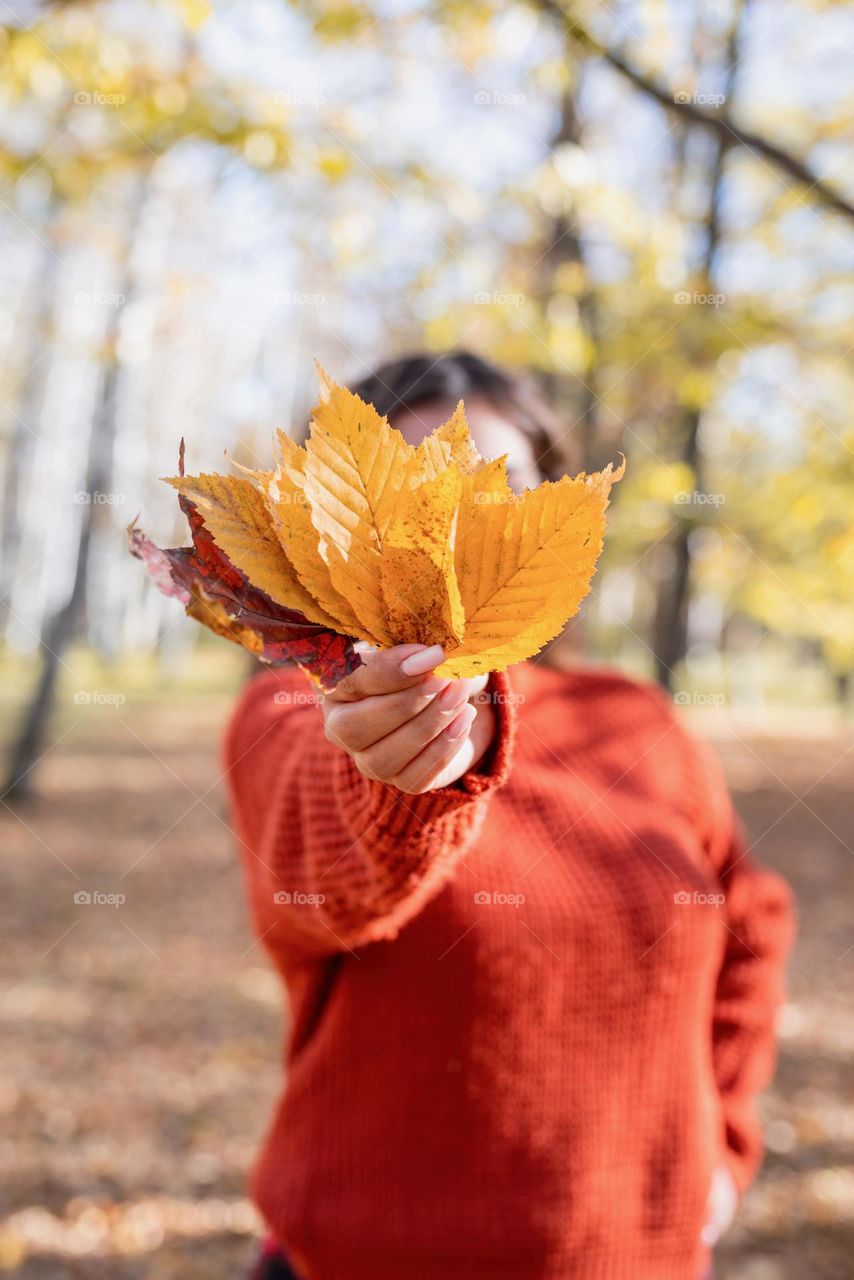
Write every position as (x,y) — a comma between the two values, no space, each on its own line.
(645,202)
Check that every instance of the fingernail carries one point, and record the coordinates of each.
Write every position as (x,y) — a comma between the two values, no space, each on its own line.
(434,684)
(462,724)
(453,696)
(418,664)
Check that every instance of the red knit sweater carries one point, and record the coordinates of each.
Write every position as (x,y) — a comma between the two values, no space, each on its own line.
(525,1026)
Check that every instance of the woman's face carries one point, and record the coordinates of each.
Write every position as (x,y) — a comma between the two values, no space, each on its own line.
(493,435)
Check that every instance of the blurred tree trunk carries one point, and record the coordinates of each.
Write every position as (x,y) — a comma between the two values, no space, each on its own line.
(670,625)
(66,623)
(28,410)
(841,686)
(576,398)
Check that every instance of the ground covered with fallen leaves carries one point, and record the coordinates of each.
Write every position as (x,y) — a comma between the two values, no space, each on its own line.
(141,1037)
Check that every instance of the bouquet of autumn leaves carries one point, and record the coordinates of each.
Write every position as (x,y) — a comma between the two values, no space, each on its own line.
(361,536)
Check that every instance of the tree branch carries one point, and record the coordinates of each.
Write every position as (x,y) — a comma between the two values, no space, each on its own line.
(730,134)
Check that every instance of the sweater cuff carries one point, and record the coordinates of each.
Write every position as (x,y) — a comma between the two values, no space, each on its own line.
(492,770)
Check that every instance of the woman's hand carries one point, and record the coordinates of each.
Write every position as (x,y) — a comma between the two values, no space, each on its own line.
(405,727)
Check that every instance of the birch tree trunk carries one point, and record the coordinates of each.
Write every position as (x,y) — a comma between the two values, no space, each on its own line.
(67,622)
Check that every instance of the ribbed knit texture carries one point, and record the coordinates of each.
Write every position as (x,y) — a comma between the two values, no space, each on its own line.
(516,1052)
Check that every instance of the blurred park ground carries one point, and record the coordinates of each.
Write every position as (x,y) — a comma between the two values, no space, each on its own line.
(645,202)
(141,1040)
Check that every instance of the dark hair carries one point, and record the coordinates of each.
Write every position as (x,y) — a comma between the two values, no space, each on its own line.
(412,380)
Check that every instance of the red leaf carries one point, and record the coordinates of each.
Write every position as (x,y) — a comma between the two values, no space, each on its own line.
(216,593)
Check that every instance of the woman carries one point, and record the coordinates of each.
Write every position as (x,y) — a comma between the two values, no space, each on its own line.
(532,974)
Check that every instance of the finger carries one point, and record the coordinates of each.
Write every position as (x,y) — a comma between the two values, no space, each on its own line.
(387,757)
(476,687)
(388,671)
(355,726)
(443,760)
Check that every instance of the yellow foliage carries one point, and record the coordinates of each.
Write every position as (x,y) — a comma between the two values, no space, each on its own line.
(524,564)
(695,389)
(334,164)
(418,577)
(393,543)
(241,524)
(288,505)
(194,12)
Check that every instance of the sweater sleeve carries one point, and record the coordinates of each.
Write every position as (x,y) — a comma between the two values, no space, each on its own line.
(333,859)
(759,921)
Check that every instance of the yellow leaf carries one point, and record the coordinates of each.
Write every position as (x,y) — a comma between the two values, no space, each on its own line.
(451,442)
(370,537)
(524,565)
(419,582)
(486,485)
(291,515)
(238,520)
(355,469)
